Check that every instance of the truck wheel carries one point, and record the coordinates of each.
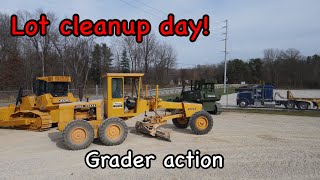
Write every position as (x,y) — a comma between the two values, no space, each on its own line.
(285,105)
(181,123)
(113,131)
(243,103)
(78,134)
(303,105)
(201,122)
(290,105)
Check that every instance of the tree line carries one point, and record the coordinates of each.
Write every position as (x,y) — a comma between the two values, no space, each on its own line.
(86,59)
(22,59)
(281,68)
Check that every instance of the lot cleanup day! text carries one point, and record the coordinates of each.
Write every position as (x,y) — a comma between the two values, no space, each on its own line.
(113,27)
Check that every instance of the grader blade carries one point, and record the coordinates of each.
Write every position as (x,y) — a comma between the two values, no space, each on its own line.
(163,134)
(153,130)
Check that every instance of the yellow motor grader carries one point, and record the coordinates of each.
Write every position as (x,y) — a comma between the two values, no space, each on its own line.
(82,122)
(41,109)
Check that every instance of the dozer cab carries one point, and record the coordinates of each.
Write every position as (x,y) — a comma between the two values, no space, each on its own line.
(39,110)
(201,91)
(107,121)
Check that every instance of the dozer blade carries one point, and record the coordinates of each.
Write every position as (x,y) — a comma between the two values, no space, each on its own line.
(153,130)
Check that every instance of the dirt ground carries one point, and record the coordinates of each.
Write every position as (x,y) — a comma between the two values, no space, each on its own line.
(255,146)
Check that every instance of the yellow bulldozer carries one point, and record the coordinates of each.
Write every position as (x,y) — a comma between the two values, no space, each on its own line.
(41,109)
(82,122)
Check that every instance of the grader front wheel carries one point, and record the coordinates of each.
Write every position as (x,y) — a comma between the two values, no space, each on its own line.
(78,134)
(113,131)
(201,122)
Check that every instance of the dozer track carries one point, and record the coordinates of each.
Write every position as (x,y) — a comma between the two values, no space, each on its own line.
(33,120)
(46,122)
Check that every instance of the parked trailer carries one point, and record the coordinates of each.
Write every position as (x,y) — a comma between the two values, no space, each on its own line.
(263,94)
(301,103)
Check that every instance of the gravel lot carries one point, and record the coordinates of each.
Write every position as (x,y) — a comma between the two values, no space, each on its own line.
(255,146)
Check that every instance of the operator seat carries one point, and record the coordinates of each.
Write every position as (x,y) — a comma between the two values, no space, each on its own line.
(130,104)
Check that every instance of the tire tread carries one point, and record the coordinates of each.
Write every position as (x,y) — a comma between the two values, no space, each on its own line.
(65,133)
(101,131)
(193,119)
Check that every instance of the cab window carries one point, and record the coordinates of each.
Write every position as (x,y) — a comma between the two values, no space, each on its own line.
(117,90)
(105,88)
(39,87)
(57,89)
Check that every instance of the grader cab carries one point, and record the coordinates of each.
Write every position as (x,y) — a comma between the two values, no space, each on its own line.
(41,109)
(109,125)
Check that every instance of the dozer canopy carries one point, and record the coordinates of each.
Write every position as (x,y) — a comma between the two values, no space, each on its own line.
(203,85)
(57,86)
(55,79)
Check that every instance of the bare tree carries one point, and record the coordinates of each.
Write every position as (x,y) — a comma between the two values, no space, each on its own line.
(270,57)
(78,53)
(133,50)
(10,60)
(148,47)
(42,44)
(164,59)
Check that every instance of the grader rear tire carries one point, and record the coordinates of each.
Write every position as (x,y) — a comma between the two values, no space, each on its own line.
(113,131)
(201,122)
(181,123)
(78,134)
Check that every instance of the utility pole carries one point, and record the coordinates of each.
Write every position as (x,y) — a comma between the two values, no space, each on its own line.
(225,57)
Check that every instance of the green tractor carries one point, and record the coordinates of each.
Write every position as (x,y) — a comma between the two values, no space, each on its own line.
(202,91)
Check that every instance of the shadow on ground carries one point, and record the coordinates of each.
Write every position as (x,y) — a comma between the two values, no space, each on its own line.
(167,127)
(174,128)
(57,138)
(133,130)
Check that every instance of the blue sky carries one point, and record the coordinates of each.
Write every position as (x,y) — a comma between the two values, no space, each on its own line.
(253,25)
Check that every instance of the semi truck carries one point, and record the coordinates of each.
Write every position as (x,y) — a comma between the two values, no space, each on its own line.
(264,95)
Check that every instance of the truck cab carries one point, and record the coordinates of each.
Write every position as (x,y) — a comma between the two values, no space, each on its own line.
(259,93)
